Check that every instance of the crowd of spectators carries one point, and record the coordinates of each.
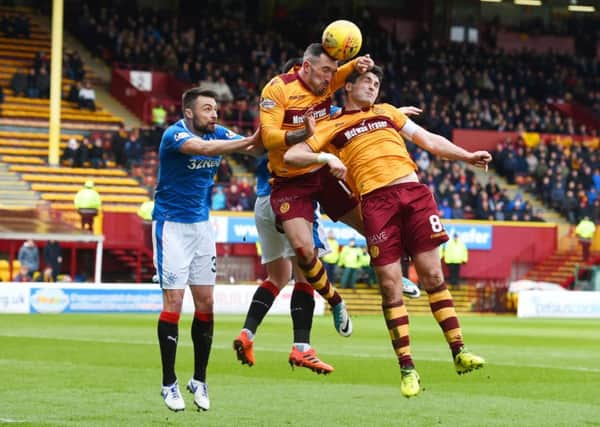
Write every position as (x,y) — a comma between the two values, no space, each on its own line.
(234,195)
(457,85)
(33,82)
(88,152)
(15,26)
(124,147)
(476,87)
(564,175)
(464,86)
(460,195)
(29,261)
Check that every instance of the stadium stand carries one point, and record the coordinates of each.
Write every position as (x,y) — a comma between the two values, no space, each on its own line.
(24,150)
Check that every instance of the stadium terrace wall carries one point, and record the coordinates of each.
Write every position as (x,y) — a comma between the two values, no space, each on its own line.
(139,91)
(514,245)
(495,248)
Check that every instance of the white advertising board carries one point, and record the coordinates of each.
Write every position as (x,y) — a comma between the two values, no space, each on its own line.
(127,298)
(14,298)
(574,304)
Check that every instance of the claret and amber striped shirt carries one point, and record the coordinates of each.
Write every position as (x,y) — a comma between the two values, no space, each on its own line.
(367,141)
(283,102)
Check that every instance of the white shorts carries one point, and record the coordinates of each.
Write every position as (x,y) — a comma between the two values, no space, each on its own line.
(276,245)
(184,254)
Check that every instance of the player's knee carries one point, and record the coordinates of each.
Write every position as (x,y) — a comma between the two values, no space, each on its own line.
(431,279)
(391,294)
(204,303)
(304,254)
(173,301)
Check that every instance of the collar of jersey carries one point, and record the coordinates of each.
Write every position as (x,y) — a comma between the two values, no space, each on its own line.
(361,110)
(303,83)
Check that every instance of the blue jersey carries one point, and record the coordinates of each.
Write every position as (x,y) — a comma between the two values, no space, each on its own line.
(263,188)
(185,182)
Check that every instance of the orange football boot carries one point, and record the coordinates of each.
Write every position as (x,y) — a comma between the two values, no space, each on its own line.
(243,348)
(308,359)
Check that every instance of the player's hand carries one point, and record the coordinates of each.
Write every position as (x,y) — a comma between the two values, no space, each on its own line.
(481,159)
(309,122)
(410,110)
(338,169)
(255,138)
(364,63)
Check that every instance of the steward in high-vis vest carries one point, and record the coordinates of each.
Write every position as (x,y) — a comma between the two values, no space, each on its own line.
(454,253)
(87,202)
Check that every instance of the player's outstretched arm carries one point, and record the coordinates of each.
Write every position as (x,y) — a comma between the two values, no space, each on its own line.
(302,155)
(217,147)
(442,147)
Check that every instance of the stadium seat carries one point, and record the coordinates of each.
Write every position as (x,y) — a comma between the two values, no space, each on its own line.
(102,189)
(68,171)
(80,179)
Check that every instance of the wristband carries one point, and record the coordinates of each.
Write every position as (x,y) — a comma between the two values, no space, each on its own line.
(325,157)
(409,128)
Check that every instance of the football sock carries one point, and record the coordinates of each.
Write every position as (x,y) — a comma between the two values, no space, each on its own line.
(442,308)
(302,346)
(302,307)
(315,274)
(168,331)
(396,319)
(249,333)
(202,336)
(261,304)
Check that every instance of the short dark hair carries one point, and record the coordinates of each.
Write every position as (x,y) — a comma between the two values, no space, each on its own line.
(291,63)
(377,70)
(314,50)
(189,96)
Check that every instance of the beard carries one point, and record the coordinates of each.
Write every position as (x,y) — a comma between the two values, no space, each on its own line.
(321,90)
(202,129)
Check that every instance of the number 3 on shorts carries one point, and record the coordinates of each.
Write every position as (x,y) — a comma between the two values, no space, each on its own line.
(436,224)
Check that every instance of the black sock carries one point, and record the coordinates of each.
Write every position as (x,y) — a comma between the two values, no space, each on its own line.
(202,336)
(261,304)
(168,332)
(302,307)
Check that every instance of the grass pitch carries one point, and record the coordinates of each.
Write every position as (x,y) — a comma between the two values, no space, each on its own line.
(105,370)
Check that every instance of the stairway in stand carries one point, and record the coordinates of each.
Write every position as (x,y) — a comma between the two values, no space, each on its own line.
(364,300)
(14,193)
(557,268)
(124,256)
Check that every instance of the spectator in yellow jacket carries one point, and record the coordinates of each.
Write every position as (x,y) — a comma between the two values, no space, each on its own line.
(350,261)
(585,231)
(454,253)
(331,259)
(87,202)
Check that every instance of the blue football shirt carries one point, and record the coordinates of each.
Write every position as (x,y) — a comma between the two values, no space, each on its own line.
(263,188)
(185,181)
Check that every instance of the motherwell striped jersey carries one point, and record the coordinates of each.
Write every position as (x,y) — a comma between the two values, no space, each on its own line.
(283,102)
(368,143)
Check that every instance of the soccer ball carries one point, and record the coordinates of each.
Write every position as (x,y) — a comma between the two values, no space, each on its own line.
(342,40)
